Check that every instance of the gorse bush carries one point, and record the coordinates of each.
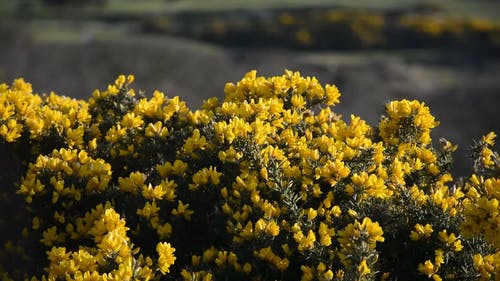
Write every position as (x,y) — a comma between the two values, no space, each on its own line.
(268,184)
(337,28)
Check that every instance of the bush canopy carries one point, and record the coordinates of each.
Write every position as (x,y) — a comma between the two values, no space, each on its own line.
(267,184)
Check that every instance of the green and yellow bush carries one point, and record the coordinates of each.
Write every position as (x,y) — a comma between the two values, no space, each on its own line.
(447,31)
(267,184)
(337,28)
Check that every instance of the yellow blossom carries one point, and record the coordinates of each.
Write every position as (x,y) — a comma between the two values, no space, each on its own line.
(166,257)
(153,193)
(150,210)
(421,231)
(272,228)
(489,138)
(205,176)
(133,183)
(427,268)
(182,210)
(363,268)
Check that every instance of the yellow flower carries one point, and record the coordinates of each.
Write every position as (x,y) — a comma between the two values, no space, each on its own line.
(439,257)
(120,80)
(272,228)
(209,255)
(447,145)
(427,268)
(35,125)
(196,141)
(22,86)
(332,94)
(418,195)
(168,188)
(183,210)
(130,79)
(166,257)
(173,106)
(58,254)
(113,242)
(373,186)
(487,157)
(205,176)
(333,171)
(311,214)
(153,193)
(11,131)
(247,268)
(489,138)
(49,236)
(92,144)
(260,226)
(298,101)
(349,238)
(436,277)
(74,137)
(336,211)
(150,210)
(421,231)
(394,130)
(179,167)
(352,213)
(115,133)
(133,183)
(307,273)
(373,229)
(325,234)
(281,264)
(363,268)
(267,254)
(450,240)
(164,231)
(156,130)
(85,261)
(305,242)
(263,173)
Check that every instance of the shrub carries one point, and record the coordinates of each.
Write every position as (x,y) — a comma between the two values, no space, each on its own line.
(72,2)
(268,184)
(337,28)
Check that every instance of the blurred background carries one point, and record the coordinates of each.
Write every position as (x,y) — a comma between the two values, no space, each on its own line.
(443,52)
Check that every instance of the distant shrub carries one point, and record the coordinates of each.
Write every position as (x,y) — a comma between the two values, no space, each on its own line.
(337,28)
(450,32)
(268,184)
(73,2)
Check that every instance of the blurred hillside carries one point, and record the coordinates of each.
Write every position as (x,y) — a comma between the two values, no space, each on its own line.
(191,48)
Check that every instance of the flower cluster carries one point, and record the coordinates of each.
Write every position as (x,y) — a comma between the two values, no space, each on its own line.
(481,207)
(267,184)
